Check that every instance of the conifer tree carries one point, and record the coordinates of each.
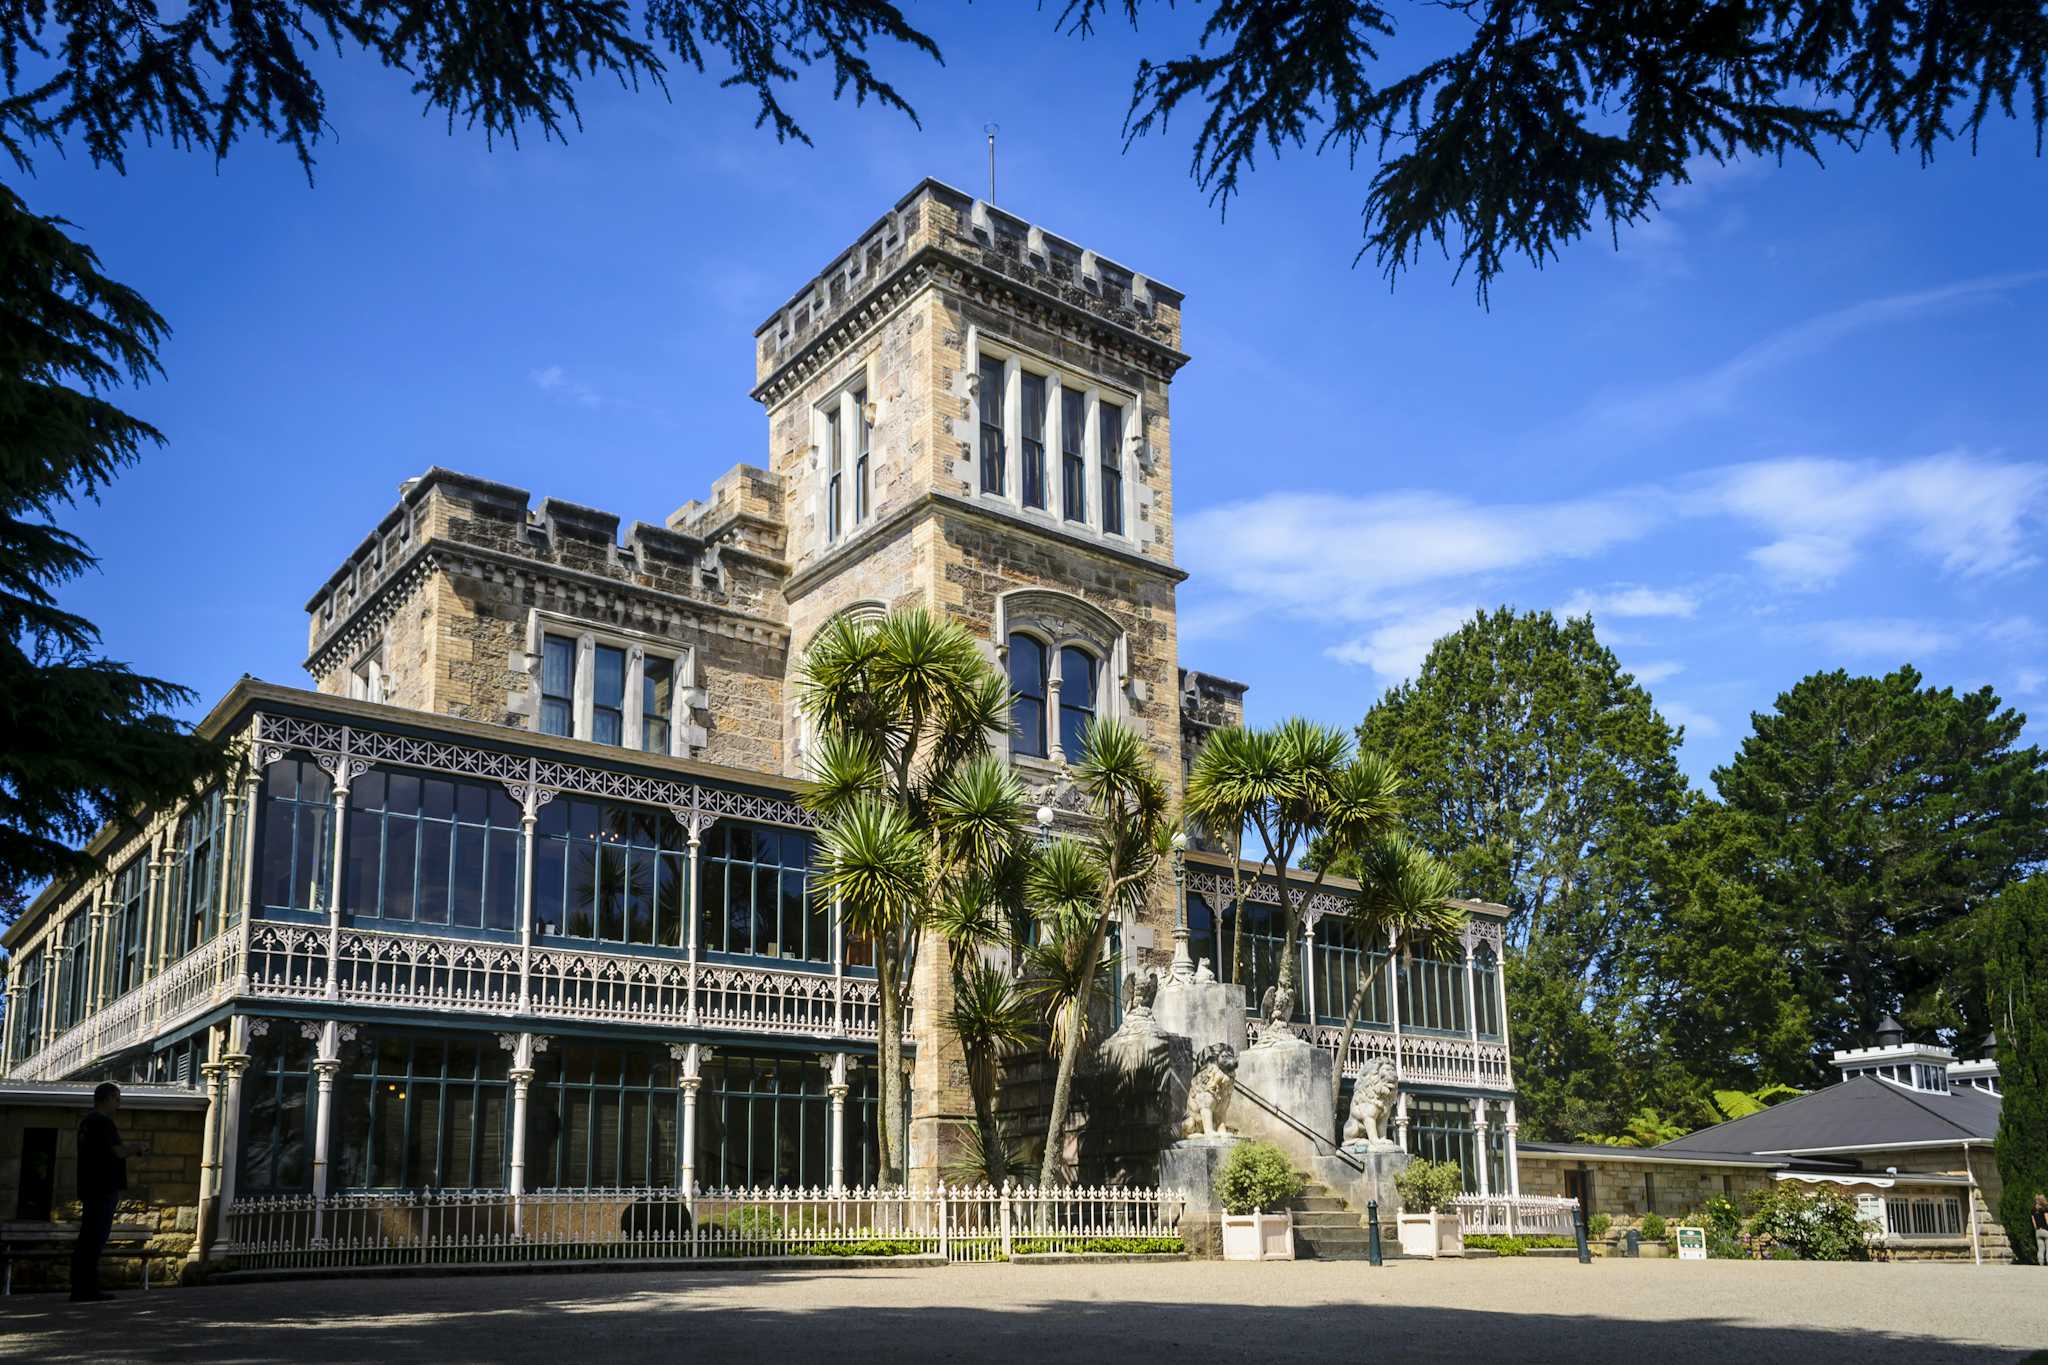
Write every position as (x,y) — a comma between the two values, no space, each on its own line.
(2016,970)
(1882,814)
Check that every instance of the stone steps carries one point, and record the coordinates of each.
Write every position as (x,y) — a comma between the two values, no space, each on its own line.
(1328,1229)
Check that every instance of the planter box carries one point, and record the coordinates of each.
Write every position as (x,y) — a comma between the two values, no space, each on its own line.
(1652,1250)
(1258,1236)
(1431,1235)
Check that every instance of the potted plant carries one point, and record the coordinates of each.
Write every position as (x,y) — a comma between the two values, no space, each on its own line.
(1651,1232)
(1256,1177)
(1429,1226)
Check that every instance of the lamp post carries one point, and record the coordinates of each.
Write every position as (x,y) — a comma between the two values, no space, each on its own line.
(1183,965)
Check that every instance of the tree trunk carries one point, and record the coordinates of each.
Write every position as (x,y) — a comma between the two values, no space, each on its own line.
(1070,1053)
(981,1080)
(889,1053)
(1350,1026)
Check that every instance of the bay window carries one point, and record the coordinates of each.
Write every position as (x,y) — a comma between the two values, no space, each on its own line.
(1077,699)
(1027,690)
(1110,454)
(989,398)
(1073,454)
(608,695)
(558,686)
(1031,462)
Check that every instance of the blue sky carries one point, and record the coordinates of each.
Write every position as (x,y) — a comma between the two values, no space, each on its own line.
(1798,422)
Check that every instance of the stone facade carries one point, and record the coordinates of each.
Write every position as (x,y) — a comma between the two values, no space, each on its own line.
(444,606)
(1620,1192)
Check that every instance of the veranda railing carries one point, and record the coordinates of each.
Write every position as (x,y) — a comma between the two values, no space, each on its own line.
(1528,1215)
(472,1227)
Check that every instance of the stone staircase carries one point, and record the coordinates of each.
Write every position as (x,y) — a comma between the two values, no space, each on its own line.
(1325,1229)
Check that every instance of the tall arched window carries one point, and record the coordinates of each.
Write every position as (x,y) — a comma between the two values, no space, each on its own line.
(1077,698)
(1027,684)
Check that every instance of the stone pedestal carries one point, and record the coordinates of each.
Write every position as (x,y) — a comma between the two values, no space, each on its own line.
(1382,1161)
(1203,1012)
(1293,1076)
(1192,1166)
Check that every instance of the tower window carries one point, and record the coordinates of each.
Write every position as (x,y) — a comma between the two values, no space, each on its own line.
(1110,438)
(608,695)
(657,703)
(558,686)
(1073,454)
(864,437)
(1077,698)
(1027,689)
(1032,466)
(990,397)
(833,470)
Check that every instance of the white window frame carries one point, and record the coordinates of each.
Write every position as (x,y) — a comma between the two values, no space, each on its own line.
(853,419)
(1058,379)
(638,646)
(366,680)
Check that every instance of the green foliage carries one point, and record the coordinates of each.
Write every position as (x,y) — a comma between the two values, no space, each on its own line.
(1536,124)
(88,741)
(1652,1227)
(1257,1175)
(1100,1246)
(1517,1245)
(1121,854)
(1598,1224)
(1644,1128)
(1737,1104)
(919,827)
(2015,938)
(1578,772)
(1721,1217)
(754,1222)
(1809,1223)
(873,1246)
(1429,1186)
(1883,814)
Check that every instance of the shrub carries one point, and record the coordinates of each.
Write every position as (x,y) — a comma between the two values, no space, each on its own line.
(1720,1216)
(1652,1228)
(1721,1247)
(1807,1224)
(1429,1186)
(755,1222)
(1101,1246)
(874,1246)
(1598,1224)
(1257,1175)
(1517,1246)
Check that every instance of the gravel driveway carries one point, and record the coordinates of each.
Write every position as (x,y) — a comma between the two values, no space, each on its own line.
(1506,1312)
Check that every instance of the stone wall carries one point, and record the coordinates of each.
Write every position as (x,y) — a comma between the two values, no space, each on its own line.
(1618,1189)
(163,1187)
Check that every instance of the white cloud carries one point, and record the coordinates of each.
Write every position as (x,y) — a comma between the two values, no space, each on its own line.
(1656,671)
(1340,556)
(2030,682)
(1632,601)
(1892,639)
(556,382)
(1396,650)
(1711,392)
(1969,512)
(1698,724)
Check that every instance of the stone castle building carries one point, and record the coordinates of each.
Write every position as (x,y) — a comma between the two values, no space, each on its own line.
(516,896)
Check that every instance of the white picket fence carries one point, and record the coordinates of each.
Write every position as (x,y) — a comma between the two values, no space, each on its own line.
(1527,1215)
(476,1227)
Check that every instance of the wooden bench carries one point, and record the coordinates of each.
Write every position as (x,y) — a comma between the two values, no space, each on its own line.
(53,1241)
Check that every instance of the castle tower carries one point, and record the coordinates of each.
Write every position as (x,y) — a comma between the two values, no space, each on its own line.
(972,414)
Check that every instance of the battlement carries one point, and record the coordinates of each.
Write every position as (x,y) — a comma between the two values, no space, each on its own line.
(727,551)
(935,217)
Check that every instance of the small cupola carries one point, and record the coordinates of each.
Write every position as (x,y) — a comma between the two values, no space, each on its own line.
(1889,1057)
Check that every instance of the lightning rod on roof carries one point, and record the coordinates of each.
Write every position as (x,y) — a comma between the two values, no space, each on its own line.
(991,129)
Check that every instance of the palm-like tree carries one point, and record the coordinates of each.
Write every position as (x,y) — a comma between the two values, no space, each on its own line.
(991,1019)
(909,800)
(1125,848)
(1294,784)
(1404,902)
(1236,774)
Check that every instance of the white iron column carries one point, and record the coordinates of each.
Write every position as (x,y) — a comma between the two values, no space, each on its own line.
(837,1090)
(209,1149)
(7,1025)
(691,1056)
(1394,1013)
(1401,1121)
(1514,1162)
(524,1047)
(342,769)
(528,798)
(233,1064)
(1479,1134)
(249,804)
(326,1064)
(1471,1006)
(695,821)
(1500,988)
(1307,950)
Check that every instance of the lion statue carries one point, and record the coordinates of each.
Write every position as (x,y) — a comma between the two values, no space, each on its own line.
(1209,1093)
(1372,1100)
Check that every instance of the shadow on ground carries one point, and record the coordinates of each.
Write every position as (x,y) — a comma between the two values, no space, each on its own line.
(994,1315)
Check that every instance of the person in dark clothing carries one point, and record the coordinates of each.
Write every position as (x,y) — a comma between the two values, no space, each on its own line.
(102,1175)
